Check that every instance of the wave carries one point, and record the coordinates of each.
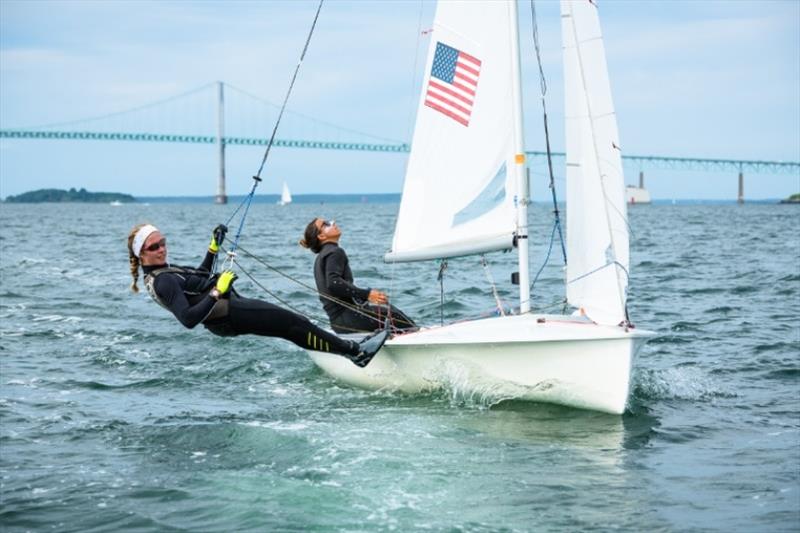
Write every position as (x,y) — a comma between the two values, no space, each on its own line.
(724,309)
(745,289)
(705,290)
(790,374)
(791,347)
(152,383)
(670,339)
(686,325)
(679,383)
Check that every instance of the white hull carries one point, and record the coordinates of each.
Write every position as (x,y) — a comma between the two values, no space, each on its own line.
(637,195)
(563,360)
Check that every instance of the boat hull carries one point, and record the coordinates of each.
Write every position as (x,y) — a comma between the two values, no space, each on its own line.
(544,358)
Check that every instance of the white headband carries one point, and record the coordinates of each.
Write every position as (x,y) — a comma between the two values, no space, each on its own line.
(141,236)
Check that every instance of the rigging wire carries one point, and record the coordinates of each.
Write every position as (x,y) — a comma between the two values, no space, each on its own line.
(355,308)
(543,89)
(547,257)
(257,178)
(489,278)
(440,278)
(288,92)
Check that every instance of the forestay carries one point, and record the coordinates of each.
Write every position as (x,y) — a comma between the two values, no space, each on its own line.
(459,191)
(597,227)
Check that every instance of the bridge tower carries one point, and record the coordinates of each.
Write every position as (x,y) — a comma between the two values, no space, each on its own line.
(740,197)
(221,197)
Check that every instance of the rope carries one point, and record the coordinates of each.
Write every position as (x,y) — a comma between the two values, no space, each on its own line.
(343,303)
(442,268)
(543,87)
(489,277)
(291,85)
(547,257)
(248,200)
(440,278)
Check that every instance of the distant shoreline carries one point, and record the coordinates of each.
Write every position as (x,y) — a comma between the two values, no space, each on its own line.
(369,198)
(71,196)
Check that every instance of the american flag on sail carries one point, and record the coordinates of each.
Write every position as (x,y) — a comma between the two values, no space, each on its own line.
(452,83)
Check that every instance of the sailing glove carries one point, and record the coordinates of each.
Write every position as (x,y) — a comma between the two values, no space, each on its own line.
(217,236)
(225,280)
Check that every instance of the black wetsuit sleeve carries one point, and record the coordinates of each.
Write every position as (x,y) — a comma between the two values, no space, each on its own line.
(208,261)
(169,291)
(338,285)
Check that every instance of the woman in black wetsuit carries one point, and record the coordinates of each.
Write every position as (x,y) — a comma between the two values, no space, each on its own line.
(349,308)
(196,296)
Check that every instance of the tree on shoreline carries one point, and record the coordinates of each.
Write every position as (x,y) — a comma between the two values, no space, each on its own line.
(72,195)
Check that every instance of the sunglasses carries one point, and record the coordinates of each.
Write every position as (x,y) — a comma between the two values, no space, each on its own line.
(156,245)
(327,223)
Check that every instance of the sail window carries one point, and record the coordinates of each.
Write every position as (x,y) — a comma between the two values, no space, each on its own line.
(490,197)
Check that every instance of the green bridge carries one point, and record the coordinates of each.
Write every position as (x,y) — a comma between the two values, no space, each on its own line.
(91,129)
(651,161)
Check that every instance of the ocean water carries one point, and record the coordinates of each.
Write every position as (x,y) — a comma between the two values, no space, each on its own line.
(115,417)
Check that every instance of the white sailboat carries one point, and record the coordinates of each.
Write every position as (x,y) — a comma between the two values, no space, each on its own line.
(465,192)
(286,196)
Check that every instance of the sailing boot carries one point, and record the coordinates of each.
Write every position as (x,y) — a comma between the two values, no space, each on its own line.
(368,347)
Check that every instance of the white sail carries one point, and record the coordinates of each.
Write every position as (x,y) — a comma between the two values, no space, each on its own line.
(462,182)
(460,186)
(597,226)
(286,196)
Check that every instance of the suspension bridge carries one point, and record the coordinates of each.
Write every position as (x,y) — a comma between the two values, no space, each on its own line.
(207,110)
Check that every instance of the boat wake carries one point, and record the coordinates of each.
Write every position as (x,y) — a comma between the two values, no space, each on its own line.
(681,383)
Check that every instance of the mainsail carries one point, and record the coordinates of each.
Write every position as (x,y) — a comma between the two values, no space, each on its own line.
(597,225)
(460,186)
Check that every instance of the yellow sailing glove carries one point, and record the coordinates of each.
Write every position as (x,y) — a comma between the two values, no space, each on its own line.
(217,236)
(225,280)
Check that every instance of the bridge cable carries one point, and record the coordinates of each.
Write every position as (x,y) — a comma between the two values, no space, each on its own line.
(291,85)
(257,178)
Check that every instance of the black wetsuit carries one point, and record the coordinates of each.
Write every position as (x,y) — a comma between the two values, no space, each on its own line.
(345,303)
(184,291)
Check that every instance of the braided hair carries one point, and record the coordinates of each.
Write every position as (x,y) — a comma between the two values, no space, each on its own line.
(132,259)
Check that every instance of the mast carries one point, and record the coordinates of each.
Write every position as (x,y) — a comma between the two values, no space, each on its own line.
(519,165)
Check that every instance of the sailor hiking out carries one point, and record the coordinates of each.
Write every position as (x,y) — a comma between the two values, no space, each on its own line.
(196,296)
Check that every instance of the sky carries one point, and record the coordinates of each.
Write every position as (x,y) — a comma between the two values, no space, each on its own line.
(706,79)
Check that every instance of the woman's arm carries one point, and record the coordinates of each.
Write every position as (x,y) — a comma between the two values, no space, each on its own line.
(169,291)
(208,261)
(338,285)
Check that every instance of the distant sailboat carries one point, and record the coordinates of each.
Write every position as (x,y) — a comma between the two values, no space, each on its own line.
(286,196)
(466,193)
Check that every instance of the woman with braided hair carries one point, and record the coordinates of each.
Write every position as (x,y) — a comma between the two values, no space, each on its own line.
(349,308)
(197,296)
